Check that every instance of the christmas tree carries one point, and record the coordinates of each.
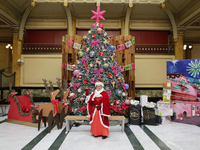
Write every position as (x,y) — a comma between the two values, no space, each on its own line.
(97,62)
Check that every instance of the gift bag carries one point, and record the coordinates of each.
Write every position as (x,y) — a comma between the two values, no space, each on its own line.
(149,116)
(158,119)
(135,114)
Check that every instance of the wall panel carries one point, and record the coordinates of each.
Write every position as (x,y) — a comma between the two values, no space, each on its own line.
(38,67)
(151,70)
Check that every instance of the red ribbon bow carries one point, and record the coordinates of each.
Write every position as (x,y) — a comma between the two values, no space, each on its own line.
(114,69)
(76,85)
(83,60)
(109,93)
(95,43)
(55,102)
(28,93)
(98,72)
(85,65)
(123,85)
(13,93)
(65,103)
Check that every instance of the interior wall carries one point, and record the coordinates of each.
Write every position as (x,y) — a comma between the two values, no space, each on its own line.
(196,51)
(82,32)
(38,67)
(151,70)
(4,58)
(45,36)
(150,37)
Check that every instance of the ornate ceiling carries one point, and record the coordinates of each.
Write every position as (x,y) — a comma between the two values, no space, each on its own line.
(186,12)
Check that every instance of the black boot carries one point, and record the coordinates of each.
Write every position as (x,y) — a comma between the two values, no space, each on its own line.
(104,137)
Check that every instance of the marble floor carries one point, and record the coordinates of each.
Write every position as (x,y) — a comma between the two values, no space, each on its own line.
(170,135)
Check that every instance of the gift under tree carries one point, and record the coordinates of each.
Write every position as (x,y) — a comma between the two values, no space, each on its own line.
(97,62)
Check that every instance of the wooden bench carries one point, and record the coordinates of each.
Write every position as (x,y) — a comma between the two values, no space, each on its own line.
(69,118)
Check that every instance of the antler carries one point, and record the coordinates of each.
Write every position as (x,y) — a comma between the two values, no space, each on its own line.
(59,84)
(65,84)
(51,86)
(63,87)
(49,89)
(46,85)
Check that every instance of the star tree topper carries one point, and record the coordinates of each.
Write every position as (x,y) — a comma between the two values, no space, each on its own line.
(98,14)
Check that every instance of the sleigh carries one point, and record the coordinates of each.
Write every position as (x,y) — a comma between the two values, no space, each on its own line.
(22,109)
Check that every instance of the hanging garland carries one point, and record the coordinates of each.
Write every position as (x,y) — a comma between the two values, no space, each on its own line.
(25,112)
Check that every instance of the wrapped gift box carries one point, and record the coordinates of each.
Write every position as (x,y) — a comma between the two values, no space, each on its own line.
(163,104)
(162,111)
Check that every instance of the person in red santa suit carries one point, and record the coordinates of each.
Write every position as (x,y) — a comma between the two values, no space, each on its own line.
(98,107)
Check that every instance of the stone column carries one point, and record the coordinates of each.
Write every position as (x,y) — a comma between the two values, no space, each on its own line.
(178,46)
(16,54)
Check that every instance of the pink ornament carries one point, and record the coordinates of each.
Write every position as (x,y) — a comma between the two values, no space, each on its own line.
(127,102)
(101,25)
(99,30)
(98,14)
(76,72)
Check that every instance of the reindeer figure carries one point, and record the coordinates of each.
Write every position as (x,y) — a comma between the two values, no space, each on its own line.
(65,91)
(51,110)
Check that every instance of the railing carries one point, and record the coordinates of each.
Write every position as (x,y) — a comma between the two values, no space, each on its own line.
(155,49)
(57,48)
(42,48)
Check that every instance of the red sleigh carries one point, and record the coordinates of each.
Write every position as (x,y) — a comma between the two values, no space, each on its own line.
(22,109)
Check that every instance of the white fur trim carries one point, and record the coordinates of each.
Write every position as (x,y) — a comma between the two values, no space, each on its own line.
(93,116)
(102,121)
(99,83)
(97,93)
(99,118)
(102,111)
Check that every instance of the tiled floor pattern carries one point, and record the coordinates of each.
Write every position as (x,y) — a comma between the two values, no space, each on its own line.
(175,136)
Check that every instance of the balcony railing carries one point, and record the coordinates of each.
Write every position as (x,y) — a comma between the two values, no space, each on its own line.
(155,49)
(57,48)
(42,48)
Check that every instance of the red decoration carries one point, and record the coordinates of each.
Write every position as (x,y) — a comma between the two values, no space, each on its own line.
(85,65)
(86,91)
(13,93)
(55,105)
(93,80)
(101,53)
(85,47)
(28,93)
(127,102)
(94,35)
(71,101)
(118,84)
(110,75)
(119,79)
(85,81)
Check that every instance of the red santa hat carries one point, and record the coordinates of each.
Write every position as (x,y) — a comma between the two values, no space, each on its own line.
(99,83)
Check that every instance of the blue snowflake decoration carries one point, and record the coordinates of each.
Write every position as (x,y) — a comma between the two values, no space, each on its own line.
(172,69)
(194,68)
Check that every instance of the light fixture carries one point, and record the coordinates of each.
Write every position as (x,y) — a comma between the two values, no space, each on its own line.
(20,61)
(184,47)
(8,46)
(190,46)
